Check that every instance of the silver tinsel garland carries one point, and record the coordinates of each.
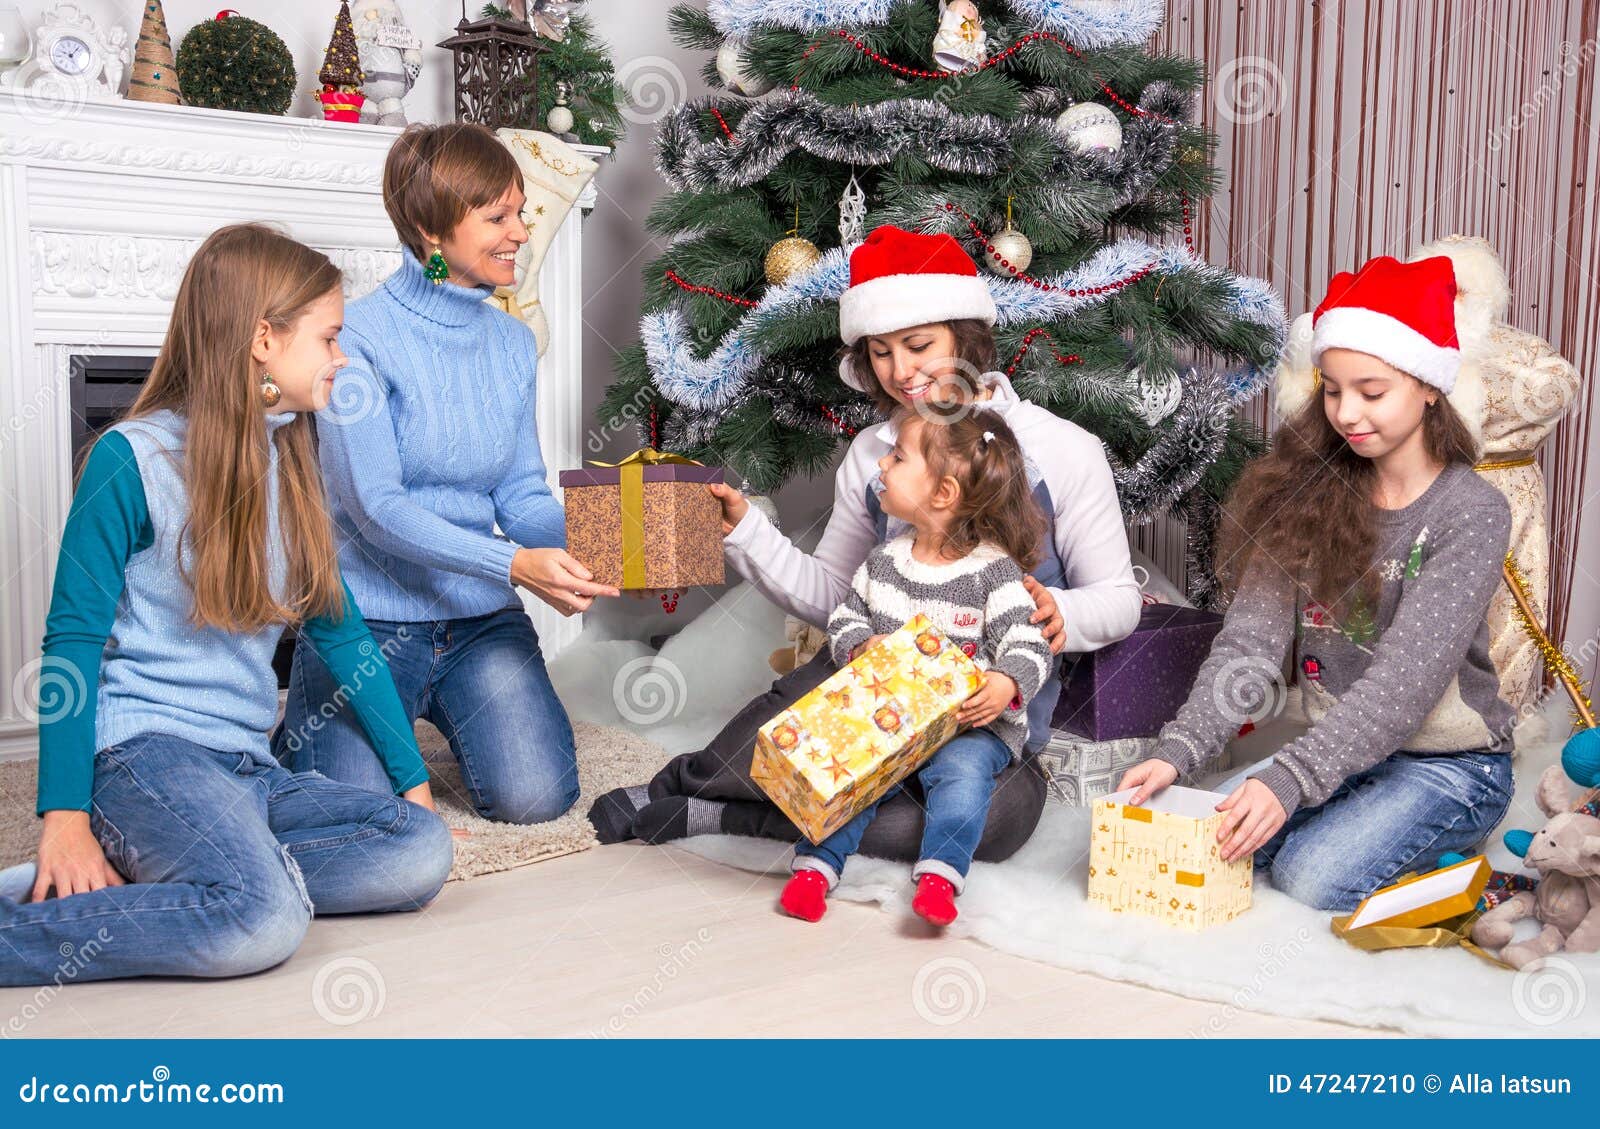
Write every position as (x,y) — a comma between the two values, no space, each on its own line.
(688,157)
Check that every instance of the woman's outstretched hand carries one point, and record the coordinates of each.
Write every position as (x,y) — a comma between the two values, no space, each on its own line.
(422,796)
(1047,615)
(70,857)
(557,579)
(1254,815)
(734,505)
(1149,777)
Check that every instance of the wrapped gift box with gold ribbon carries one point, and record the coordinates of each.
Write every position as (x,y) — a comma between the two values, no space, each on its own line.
(1161,859)
(865,729)
(646,522)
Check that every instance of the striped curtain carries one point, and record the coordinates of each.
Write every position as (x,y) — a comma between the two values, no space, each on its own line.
(1353,128)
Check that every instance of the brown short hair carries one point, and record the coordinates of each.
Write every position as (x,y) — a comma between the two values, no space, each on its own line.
(436,174)
(974,347)
(981,452)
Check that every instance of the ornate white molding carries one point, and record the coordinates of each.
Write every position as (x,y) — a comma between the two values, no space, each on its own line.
(99,268)
(189,162)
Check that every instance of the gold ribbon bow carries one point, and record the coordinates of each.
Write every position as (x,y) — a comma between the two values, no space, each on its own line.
(631,480)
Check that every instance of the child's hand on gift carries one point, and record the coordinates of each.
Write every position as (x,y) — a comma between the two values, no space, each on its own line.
(1254,816)
(863,648)
(988,701)
(734,505)
(1149,777)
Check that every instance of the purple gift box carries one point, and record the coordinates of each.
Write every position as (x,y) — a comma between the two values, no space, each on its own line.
(1134,687)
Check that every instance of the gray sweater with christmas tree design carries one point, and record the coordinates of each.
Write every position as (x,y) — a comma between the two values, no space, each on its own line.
(1412,673)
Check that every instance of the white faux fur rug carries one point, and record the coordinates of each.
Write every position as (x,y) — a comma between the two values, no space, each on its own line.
(1279,958)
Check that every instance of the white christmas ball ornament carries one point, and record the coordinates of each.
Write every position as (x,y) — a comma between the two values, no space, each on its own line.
(731,68)
(1090,126)
(1014,250)
(560,119)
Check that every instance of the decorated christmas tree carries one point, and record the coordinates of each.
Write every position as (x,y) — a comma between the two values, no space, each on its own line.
(1046,137)
(341,75)
(155,76)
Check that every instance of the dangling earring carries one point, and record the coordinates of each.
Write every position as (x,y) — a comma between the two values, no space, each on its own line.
(437,270)
(270,392)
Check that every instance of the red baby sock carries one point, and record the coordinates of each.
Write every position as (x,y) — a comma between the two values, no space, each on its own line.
(806,895)
(935,901)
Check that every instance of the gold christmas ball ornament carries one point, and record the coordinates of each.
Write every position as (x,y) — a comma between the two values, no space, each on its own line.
(1090,126)
(789,257)
(1013,249)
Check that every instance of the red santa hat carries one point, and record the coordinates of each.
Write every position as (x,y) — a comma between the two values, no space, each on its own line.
(900,279)
(1402,313)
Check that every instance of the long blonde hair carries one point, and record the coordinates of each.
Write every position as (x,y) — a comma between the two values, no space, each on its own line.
(239,277)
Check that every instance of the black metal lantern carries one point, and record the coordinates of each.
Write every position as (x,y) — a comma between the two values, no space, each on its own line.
(497,72)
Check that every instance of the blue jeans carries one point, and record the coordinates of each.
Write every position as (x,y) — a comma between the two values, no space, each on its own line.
(227,855)
(958,781)
(1398,816)
(481,680)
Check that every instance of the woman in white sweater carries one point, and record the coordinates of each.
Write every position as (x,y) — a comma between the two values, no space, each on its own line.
(916,316)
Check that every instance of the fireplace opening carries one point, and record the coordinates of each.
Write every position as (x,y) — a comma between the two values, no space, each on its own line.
(103,388)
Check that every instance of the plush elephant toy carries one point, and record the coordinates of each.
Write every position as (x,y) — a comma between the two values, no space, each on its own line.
(1566,853)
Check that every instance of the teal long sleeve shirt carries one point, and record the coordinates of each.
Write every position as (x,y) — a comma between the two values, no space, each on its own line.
(108,524)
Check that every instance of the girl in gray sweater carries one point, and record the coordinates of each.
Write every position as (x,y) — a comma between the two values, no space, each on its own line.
(1366,542)
(960,486)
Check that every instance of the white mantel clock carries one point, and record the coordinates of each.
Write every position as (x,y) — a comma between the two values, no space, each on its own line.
(72,52)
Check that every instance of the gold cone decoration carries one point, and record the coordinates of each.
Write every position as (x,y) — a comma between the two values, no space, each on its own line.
(155,76)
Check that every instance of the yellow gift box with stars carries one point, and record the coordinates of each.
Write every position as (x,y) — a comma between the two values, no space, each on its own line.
(1162,859)
(869,726)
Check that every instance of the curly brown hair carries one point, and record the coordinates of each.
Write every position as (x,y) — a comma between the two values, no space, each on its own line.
(980,451)
(974,349)
(1307,504)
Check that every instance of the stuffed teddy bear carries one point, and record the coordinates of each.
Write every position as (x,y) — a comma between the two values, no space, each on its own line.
(1566,853)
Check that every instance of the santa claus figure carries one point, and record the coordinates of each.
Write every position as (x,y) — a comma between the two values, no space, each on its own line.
(391,59)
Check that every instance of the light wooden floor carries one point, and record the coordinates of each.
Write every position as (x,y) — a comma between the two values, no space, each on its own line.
(630,941)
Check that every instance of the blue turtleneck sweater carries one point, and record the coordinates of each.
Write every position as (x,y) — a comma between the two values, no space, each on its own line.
(430,442)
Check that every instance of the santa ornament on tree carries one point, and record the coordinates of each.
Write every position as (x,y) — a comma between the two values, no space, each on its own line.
(341,75)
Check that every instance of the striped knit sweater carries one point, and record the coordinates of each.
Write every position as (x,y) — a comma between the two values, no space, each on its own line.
(978,602)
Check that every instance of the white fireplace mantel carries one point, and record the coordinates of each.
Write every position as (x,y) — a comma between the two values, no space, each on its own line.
(100,209)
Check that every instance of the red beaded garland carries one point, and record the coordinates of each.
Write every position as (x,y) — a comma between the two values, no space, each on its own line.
(673,276)
(1027,343)
(716,113)
(1039,284)
(655,438)
(993,60)
(836,421)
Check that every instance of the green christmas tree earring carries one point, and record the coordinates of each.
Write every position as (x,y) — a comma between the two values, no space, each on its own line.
(437,269)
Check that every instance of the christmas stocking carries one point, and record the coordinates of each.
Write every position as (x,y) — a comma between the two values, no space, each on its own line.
(553,174)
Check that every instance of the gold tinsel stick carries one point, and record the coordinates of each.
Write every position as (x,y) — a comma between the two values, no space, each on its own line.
(1555,659)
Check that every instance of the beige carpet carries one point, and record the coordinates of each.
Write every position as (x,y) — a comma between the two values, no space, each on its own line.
(607,758)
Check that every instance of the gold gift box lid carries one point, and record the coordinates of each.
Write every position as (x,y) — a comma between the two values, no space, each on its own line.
(1423,899)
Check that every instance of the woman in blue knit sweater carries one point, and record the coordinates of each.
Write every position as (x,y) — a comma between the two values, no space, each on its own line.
(428,445)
